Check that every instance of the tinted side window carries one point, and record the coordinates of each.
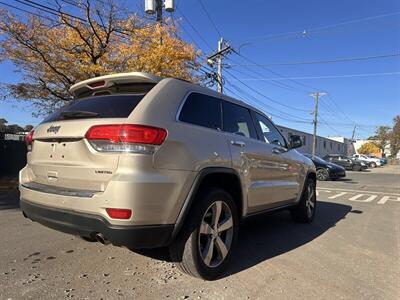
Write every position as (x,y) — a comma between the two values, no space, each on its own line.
(237,120)
(268,132)
(202,110)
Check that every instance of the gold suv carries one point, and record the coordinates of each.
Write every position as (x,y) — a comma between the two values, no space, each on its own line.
(143,162)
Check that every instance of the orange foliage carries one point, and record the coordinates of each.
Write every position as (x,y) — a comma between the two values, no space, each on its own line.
(54,55)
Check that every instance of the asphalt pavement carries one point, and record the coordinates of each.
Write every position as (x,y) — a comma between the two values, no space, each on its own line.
(350,251)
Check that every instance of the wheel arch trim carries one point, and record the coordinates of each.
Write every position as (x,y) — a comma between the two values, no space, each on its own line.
(193,192)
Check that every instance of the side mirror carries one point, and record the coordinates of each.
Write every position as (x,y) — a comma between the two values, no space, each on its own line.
(295,141)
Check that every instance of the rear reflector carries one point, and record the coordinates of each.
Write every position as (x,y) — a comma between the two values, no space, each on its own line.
(29,140)
(119,213)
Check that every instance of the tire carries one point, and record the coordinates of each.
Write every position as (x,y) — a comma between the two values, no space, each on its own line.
(356,168)
(189,250)
(372,165)
(305,210)
(322,174)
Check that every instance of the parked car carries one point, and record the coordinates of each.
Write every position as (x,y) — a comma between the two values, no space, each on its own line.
(145,162)
(383,160)
(346,162)
(326,170)
(370,161)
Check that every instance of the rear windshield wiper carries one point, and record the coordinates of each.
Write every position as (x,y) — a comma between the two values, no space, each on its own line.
(78,114)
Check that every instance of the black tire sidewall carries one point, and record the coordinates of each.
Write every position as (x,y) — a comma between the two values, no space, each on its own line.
(191,232)
(300,213)
(204,270)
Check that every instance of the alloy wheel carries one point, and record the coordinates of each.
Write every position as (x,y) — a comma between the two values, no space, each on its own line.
(322,175)
(310,201)
(215,234)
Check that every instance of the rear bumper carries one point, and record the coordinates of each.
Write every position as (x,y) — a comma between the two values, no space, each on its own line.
(337,174)
(131,236)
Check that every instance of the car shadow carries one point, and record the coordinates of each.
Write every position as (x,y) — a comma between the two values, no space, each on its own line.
(265,237)
(9,200)
(346,180)
(269,235)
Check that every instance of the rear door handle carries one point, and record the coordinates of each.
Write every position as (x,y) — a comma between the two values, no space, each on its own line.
(238,143)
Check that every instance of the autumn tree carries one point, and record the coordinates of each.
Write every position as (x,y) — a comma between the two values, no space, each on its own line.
(382,137)
(368,148)
(52,53)
(395,137)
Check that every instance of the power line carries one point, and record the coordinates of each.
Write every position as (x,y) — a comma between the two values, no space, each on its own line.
(26,11)
(285,105)
(321,61)
(276,73)
(194,29)
(267,97)
(272,82)
(261,104)
(315,29)
(209,17)
(51,10)
(323,76)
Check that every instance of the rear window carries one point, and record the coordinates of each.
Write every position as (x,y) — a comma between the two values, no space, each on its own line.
(108,106)
(202,110)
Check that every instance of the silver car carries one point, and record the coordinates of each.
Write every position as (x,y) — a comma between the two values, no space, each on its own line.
(143,162)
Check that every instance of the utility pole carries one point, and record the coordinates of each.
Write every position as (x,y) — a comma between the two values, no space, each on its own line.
(354,133)
(223,49)
(219,66)
(315,122)
(159,11)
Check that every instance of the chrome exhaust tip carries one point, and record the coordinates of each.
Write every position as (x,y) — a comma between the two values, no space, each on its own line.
(101,239)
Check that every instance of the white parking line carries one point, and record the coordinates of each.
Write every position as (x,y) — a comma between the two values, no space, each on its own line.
(337,195)
(357,198)
(357,191)
(388,198)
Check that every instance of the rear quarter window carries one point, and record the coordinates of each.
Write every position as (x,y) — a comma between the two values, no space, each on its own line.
(202,110)
(107,106)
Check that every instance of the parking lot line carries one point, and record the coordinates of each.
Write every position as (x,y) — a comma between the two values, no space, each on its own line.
(337,195)
(357,198)
(357,191)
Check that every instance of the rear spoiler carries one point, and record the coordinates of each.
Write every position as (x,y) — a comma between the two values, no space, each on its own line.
(103,82)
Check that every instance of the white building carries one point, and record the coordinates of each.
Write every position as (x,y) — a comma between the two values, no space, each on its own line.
(324,145)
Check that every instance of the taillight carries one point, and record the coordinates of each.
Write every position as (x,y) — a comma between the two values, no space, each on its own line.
(119,213)
(29,140)
(97,84)
(125,138)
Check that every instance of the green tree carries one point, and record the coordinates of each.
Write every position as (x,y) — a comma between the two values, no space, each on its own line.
(28,128)
(14,128)
(395,137)
(382,137)
(3,124)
